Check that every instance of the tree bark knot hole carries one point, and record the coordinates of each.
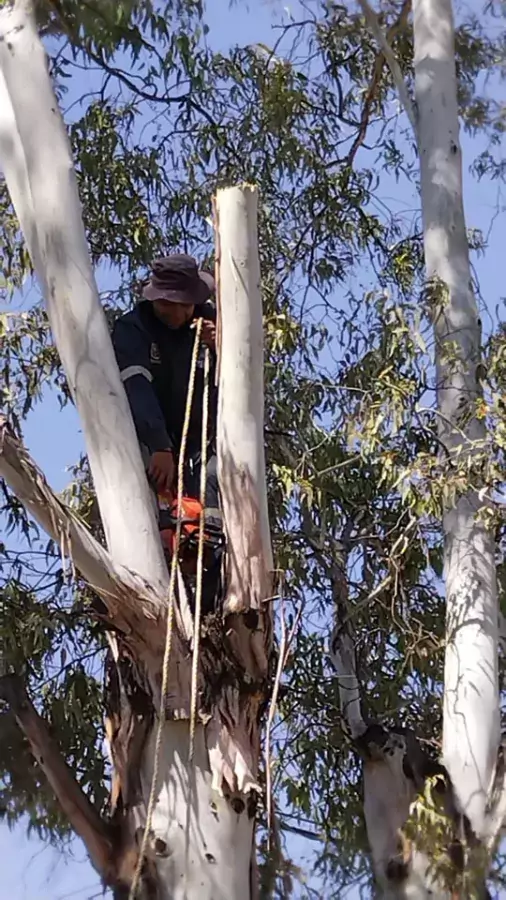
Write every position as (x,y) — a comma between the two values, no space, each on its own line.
(161,848)
(251,618)
(373,743)
(397,870)
(238,805)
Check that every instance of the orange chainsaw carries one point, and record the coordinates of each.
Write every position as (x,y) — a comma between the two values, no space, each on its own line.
(191,513)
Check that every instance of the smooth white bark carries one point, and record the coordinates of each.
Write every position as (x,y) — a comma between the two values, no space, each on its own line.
(471,698)
(388,795)
(241,457)
(37,163)
(203,848)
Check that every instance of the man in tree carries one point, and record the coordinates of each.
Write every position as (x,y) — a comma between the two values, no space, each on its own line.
(154,345)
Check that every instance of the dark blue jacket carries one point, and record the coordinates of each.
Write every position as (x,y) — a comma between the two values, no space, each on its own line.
(154,362)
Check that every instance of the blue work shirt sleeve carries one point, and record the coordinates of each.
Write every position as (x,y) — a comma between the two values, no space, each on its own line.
(131,347)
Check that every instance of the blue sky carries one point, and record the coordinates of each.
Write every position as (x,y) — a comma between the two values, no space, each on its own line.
(30,868)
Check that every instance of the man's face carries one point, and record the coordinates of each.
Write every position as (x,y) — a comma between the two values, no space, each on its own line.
(173,315)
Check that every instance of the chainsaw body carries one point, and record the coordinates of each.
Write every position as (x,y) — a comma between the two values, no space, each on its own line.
(191,513)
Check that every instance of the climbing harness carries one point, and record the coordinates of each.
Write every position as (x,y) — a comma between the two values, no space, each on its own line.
(182,506)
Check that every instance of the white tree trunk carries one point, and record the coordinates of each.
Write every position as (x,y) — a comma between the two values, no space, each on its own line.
(402,872)
(202,839)
(203,849)
(241,457)
(471,694)
(37,162)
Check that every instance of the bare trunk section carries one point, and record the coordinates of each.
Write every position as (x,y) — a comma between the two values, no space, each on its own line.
(37,162)
(203,846)
(241,457)
(471,696)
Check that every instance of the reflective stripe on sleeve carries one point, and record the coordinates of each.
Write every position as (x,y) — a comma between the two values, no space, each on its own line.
(130,371)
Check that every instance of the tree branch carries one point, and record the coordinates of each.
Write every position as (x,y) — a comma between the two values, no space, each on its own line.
(128,599)
(82,815)
(342,645)
(391,34)
(398,78)
(37,163)
(342,654)
(98,58)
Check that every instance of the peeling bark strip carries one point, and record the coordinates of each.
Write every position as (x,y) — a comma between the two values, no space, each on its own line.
(37,163)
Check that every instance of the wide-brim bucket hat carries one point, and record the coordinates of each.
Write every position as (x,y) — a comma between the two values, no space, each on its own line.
(178,279)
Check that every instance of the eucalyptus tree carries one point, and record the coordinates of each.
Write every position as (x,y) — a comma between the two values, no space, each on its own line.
(355,476)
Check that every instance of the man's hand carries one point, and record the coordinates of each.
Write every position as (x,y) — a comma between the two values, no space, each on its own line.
(162,470)
(208,334)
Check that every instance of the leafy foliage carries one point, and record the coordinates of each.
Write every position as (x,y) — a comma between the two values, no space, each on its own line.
(356,477)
